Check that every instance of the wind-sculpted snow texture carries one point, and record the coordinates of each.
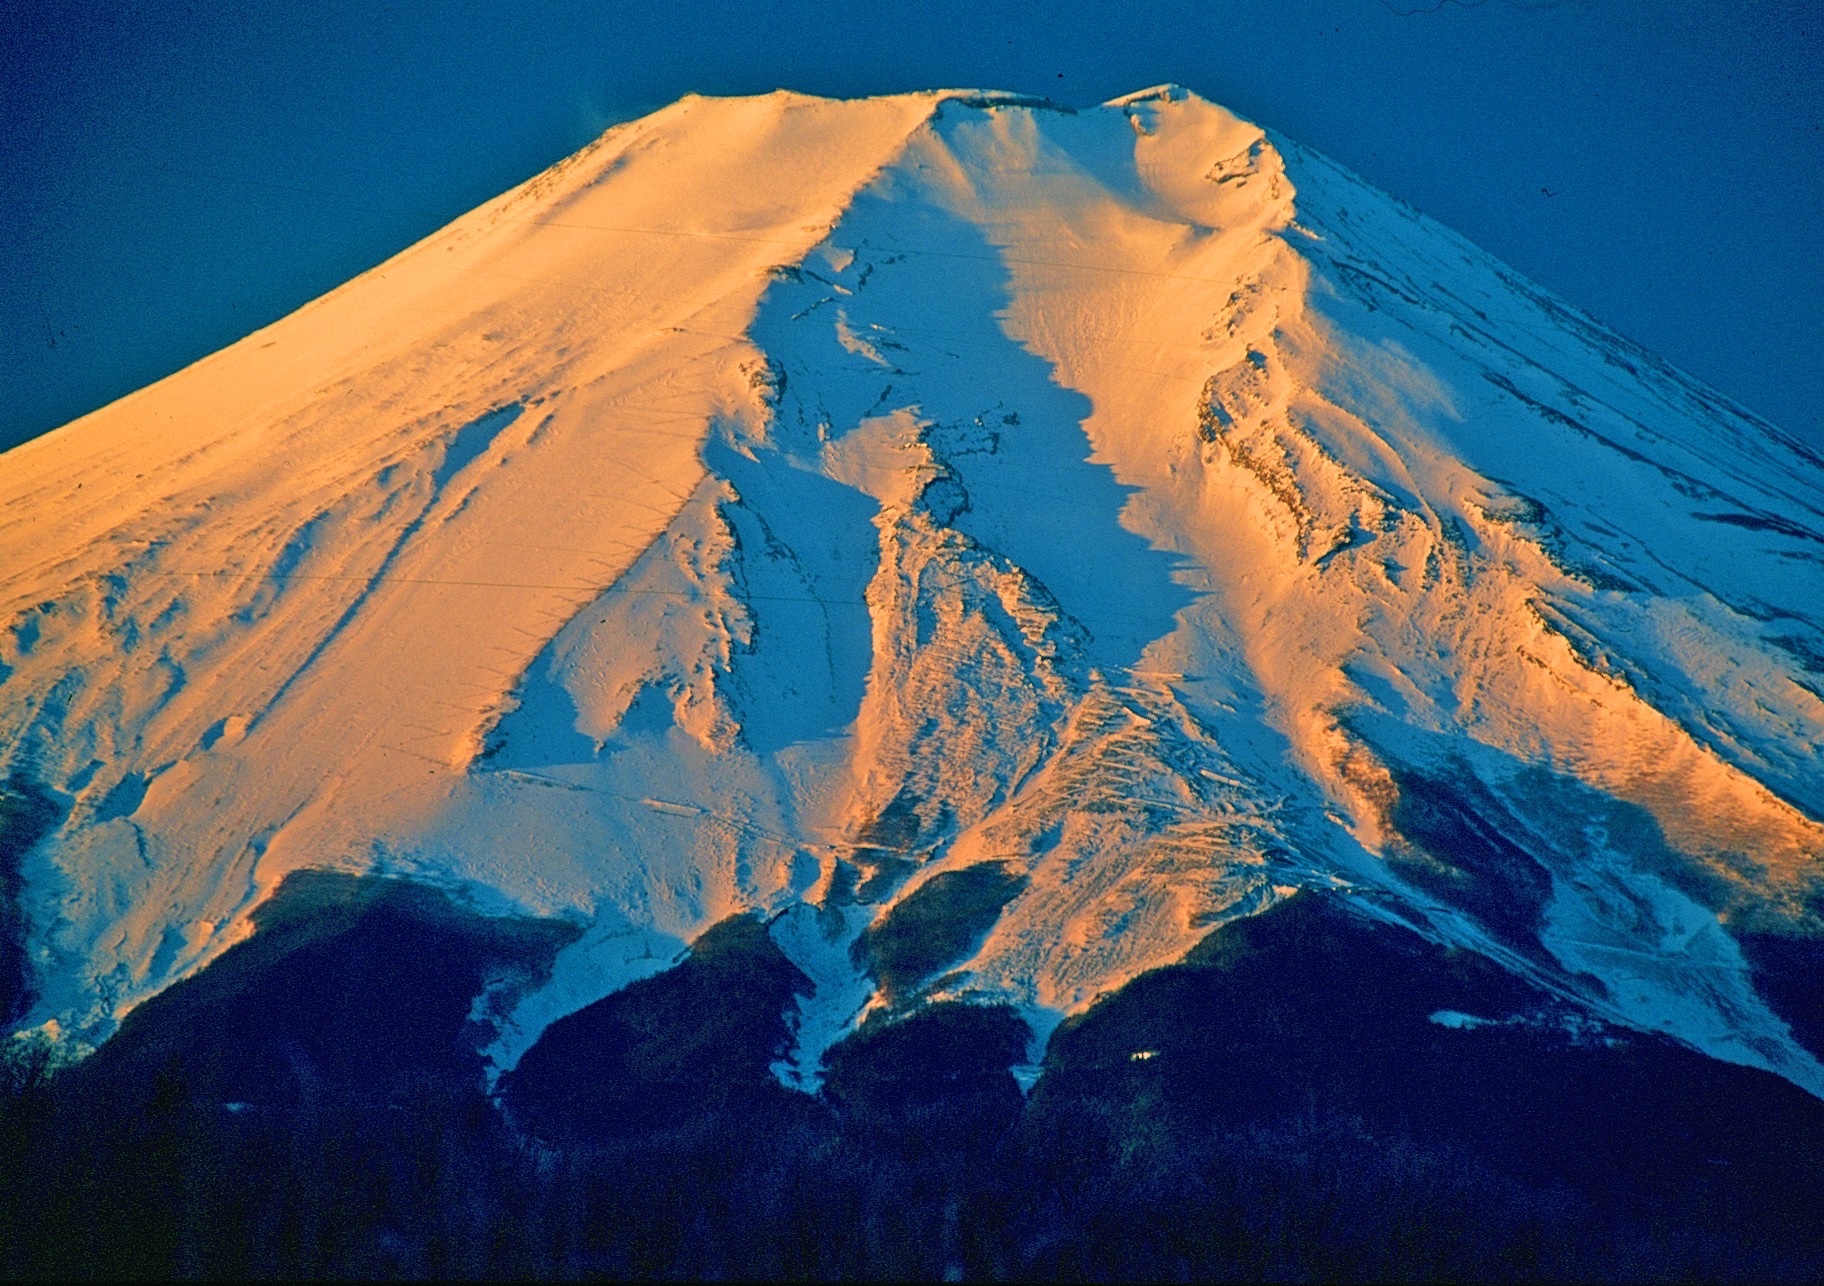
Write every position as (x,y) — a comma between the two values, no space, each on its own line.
(786,504)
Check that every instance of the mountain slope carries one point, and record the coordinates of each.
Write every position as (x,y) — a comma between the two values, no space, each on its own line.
(949,519)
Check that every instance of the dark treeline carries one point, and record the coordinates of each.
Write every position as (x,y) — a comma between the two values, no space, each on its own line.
(312,1106)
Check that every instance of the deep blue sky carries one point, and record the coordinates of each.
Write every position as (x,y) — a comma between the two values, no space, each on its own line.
(174,175)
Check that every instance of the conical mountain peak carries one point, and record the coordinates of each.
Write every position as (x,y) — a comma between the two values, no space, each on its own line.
(1045,534)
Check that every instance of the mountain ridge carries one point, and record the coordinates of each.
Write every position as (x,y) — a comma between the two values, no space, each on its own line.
(1129,498)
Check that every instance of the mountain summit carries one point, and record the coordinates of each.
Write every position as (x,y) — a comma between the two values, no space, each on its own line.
(997,543)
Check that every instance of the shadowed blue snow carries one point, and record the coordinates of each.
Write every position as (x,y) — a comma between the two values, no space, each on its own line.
(808,550)
(541,729)
(468,442)
(1011,434)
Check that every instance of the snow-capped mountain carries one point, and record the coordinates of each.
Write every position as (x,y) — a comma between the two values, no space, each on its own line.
(996,542)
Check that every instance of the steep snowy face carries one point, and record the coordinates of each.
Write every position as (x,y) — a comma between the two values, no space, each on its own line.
(997,542)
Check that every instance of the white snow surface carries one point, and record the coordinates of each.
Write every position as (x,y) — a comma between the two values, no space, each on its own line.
(1128,496)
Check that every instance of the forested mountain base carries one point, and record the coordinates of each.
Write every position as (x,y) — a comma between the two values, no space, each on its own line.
(1281,1105)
